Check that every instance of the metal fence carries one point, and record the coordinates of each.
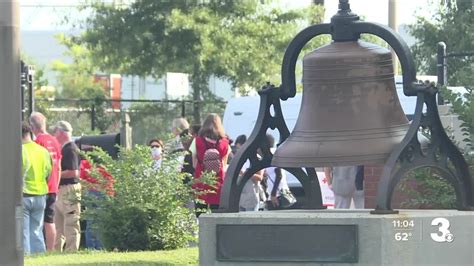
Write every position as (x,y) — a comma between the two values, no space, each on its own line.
(148,118)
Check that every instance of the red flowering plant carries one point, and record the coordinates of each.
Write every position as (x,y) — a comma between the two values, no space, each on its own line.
(105,183)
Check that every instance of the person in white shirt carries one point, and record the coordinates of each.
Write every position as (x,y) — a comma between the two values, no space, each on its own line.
(275,179)
(273,191)
(346,189)
(251,196)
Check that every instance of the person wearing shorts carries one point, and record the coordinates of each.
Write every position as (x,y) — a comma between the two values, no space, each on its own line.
(38,126)
(49,210)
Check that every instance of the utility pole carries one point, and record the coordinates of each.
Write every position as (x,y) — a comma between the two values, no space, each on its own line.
(11,212)
(393,23)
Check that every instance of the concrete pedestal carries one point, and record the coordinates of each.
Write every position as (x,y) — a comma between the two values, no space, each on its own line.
(337,237)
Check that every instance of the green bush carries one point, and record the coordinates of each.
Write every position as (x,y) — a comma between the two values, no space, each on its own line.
(426,189)
(126,228)
(148,208)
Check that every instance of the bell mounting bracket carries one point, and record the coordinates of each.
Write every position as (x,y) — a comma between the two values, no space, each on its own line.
(441,154)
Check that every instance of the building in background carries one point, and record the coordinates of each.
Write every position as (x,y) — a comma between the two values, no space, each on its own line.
(172,86)
(112,85)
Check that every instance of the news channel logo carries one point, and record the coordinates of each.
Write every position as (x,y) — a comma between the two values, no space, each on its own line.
(439,231)
(443,235)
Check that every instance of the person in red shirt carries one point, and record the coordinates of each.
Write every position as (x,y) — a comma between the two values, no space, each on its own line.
(211,135)
(38,126)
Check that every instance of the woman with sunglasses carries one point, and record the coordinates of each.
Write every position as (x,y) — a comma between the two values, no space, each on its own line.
(156,146)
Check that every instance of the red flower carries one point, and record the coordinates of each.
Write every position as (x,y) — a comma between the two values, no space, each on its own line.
(108,186)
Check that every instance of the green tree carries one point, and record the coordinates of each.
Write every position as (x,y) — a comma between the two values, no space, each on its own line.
(241,41)
(147,125)
(76,81)
(463,106)
(39,78)
(452,24)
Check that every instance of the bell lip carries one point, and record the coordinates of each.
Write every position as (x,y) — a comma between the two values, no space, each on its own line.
(301,135)
(313,162)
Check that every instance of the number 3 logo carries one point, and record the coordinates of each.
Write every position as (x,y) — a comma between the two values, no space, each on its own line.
(443,228)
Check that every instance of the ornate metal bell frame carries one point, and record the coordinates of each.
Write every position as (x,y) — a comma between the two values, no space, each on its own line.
(442,154)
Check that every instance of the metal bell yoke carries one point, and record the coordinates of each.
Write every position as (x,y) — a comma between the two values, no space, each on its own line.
(350,114)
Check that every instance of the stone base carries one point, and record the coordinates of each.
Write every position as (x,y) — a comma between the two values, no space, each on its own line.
(337,237)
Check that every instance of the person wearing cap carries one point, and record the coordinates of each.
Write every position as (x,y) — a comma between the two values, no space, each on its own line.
(68,206)
(38,126)
(36,168)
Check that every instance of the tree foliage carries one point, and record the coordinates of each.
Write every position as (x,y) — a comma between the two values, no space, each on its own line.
(463,106)
(452,24)
(427,189)
(76,81)
(240,41)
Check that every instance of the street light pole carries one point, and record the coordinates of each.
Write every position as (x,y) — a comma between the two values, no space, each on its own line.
(441,69)
(11,212)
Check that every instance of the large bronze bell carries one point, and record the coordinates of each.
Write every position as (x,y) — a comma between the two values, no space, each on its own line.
(350,112)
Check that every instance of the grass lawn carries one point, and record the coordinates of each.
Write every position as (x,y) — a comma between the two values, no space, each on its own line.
(188,256)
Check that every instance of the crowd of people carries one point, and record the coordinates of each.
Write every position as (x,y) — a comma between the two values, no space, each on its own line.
(209,149)
(51,187)
(53,169)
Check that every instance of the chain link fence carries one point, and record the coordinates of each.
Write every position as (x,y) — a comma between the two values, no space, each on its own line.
(148,118)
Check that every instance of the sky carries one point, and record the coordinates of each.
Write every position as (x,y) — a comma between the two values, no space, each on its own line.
(48,14)
(377,10)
